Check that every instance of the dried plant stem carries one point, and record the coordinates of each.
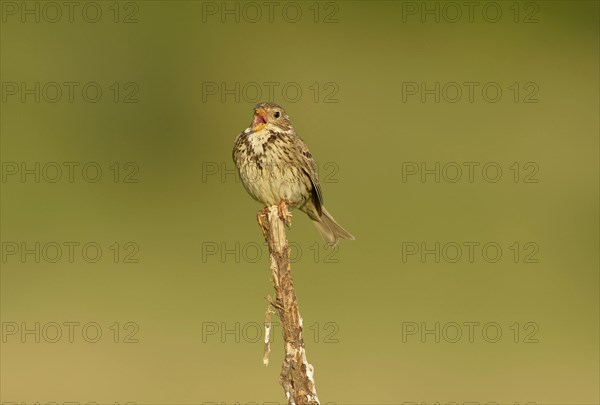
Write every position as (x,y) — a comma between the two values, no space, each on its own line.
(296,375)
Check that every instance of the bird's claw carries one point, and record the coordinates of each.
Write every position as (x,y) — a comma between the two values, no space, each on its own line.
(262,214)
(284,213)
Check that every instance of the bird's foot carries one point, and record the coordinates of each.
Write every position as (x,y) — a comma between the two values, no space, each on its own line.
(262,214)
(284,213)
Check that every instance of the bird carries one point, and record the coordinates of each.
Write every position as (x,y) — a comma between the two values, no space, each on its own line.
(275,167)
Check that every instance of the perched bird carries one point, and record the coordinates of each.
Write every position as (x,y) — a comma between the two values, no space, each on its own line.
(275,166)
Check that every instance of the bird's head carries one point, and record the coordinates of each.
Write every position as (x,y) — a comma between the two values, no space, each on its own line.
(271,116)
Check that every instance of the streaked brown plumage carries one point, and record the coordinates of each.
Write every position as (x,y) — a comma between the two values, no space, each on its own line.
(275,165)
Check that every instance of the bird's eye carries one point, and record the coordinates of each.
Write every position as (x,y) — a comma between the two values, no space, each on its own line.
(276,114)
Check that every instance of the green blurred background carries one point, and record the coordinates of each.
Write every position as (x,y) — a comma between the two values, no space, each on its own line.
(197,290)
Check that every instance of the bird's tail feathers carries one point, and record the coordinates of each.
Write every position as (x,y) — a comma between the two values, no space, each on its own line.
(330,230)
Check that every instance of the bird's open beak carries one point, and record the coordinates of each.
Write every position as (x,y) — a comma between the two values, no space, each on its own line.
(260,119)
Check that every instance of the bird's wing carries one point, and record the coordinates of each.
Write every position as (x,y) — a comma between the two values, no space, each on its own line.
(310,168)
(238,146)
